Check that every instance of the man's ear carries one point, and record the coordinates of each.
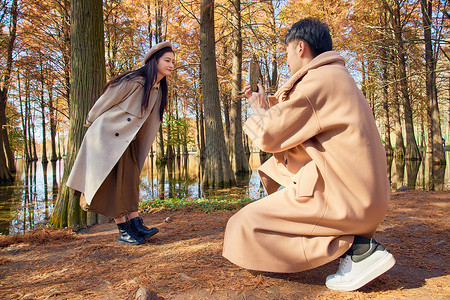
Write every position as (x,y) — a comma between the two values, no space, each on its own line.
(301,47)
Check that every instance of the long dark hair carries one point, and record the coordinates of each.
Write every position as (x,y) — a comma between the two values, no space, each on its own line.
(149,71)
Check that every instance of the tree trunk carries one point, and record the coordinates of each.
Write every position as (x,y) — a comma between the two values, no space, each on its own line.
(44,135)
(7,147)
(65,46)
(5,174)
(399,150)
(160,158)
(87,81)
(218,171)
(274,80)
(412,151)
(170,153)
(385,103)
(33,138)
(197,127)
(29,120)
(200,131)
(28,117)
(178,132)
(363,79)
(226,116)
(239,161)
(112,42)
(23,118)
(422,130)
(185,143)
(53,120)
(202,135)
(385,108)
(60,142)
(435,135)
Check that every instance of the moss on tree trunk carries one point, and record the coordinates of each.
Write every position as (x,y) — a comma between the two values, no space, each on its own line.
(87,81)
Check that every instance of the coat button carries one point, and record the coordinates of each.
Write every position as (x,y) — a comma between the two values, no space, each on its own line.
(117,134)
(129,119)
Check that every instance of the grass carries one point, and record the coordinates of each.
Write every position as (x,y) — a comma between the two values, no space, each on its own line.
(199,204)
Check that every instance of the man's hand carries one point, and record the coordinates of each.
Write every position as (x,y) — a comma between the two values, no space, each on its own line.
(256,99)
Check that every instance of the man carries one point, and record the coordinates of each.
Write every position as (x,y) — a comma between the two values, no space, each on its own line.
(328,157)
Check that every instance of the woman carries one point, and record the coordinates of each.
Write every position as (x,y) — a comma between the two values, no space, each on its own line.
(123,124)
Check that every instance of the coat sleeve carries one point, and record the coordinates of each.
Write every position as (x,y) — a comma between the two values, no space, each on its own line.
(112,96)
(285,125)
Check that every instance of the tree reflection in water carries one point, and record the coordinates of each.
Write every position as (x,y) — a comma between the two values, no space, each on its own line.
(412,169)
(28,203)
(418,174)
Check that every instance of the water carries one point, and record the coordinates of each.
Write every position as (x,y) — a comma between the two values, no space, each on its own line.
(29,202)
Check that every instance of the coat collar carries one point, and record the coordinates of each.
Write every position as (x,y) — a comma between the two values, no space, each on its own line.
(325,58)
(141,80)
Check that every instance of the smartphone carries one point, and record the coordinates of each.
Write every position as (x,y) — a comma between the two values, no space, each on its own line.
(254,74)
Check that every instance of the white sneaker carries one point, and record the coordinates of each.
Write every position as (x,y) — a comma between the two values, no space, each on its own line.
(356,271)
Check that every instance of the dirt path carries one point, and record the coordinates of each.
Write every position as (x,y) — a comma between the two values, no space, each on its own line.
(184,260)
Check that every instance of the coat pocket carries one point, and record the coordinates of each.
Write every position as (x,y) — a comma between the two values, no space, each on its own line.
(306,179)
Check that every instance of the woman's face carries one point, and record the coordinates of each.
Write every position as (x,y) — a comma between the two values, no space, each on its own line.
(165,64)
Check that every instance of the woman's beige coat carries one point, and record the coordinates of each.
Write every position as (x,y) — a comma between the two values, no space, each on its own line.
(328,156)
(114,121)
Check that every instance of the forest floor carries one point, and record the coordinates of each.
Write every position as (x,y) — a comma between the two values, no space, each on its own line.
(184,261)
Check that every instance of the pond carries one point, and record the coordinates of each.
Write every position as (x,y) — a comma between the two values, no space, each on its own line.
(28,203)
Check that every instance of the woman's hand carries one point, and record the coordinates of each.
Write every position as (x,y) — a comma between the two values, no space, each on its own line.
(256,99)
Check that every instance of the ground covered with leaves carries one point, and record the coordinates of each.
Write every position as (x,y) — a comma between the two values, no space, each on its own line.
(184,261)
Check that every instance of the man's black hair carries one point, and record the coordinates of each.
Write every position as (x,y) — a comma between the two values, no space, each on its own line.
(315,33)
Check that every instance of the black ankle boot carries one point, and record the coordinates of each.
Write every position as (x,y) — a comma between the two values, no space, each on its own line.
(141,230)
(127,235)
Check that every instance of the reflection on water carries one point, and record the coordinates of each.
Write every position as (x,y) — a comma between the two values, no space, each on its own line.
(183,178)
(28,203)
(416,174)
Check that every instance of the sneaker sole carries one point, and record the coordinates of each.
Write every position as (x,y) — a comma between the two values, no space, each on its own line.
(131,244)
(380,267)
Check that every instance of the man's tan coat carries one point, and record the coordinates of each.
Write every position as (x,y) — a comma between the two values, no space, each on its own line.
(114,121)
(328,156)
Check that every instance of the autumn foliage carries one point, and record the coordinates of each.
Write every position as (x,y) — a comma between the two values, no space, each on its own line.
(397,51)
